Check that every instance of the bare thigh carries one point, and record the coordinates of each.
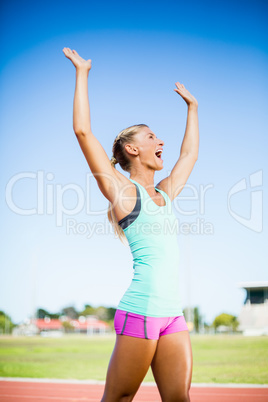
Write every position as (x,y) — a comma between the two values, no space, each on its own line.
(129,363)
(172,366)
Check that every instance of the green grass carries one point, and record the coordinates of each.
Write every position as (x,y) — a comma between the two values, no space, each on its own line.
(230,359)
(217,359)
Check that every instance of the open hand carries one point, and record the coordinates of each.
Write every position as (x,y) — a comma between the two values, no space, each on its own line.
(77,60)
(182,91)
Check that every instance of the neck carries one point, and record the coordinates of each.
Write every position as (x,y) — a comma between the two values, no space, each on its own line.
(146,179)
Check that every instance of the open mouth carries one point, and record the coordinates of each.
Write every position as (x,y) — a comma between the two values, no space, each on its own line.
(158,153)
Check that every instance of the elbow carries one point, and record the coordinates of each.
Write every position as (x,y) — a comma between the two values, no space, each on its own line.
(80,132)
(195,156)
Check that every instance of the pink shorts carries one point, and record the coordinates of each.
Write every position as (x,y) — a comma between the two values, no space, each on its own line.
(140,326)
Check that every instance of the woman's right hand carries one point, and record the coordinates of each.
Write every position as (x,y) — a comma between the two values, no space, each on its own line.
(77,60)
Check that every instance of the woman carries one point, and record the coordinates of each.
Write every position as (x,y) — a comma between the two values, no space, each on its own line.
(149,322)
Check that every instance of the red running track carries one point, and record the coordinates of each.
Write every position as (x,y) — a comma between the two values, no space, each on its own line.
(14,391)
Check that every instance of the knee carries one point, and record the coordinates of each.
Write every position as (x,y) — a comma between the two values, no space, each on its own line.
(125,397)
(185,397)
(181,396)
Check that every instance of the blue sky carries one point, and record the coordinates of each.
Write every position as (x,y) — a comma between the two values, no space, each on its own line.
(138,50)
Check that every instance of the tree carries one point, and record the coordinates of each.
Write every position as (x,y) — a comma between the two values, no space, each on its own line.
(226,319)
(196,319)
(193,318)
(68,327)
(111,313)
(6,324)
(88,310)
(102,313)
(42,313)
(70,312)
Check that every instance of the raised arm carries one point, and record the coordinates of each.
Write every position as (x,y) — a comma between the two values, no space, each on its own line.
(105,174)
(174,183)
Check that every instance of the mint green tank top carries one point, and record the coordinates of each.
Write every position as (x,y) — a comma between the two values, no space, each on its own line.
(152,237)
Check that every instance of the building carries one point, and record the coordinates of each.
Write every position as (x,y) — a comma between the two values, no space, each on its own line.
(253,318)
(48,326)
(89,325)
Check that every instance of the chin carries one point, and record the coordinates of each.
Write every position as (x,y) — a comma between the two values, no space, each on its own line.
(160,167)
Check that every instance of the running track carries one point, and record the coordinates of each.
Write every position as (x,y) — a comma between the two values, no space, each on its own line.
(38,390)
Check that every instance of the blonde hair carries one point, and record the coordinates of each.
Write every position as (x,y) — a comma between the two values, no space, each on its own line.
(120,156)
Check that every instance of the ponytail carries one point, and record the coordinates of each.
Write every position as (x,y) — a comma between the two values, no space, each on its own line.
(113,161)
(111,215)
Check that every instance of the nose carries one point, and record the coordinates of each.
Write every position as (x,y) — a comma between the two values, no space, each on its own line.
(161,142)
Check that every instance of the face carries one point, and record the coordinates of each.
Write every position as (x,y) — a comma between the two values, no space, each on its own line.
(146,146)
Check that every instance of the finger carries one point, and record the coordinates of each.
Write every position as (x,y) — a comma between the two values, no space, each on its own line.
(67,50)
(68,54)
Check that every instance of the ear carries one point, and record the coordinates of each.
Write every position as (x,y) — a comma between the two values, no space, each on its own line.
(131,149)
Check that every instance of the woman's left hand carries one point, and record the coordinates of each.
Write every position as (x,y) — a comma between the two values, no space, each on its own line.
(77,60)
(182,91)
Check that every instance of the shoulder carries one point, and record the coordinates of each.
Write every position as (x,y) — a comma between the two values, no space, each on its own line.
(124,186)
(164,186)
(125,196)
(122,180)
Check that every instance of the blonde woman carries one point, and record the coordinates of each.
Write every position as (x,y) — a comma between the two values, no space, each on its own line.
(149,322)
